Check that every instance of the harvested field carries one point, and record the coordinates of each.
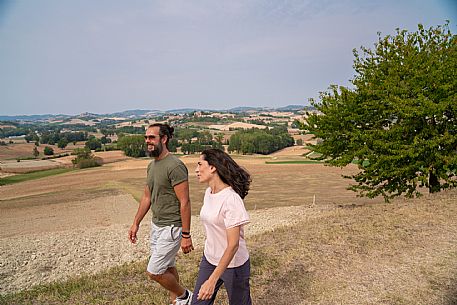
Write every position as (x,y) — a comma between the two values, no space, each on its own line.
(26,166)
(23,149)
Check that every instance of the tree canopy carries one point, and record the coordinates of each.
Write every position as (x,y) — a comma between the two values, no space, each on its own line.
(133,146)
(258,141)
(399,121)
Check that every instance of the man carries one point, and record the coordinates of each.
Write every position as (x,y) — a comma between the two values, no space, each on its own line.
(167,194)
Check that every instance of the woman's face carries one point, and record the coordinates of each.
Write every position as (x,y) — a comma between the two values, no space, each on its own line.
(204,171)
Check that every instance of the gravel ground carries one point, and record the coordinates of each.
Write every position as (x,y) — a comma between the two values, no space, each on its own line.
(30,259)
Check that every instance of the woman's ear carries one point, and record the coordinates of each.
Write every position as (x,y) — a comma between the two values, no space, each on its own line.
(212,169)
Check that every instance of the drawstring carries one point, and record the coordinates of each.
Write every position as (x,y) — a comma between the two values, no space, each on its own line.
(171,232)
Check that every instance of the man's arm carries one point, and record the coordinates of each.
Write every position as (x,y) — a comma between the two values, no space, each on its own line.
(143,209)
(182,192)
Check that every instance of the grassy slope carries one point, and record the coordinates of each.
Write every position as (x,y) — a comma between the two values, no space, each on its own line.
(374,254)
(33,175)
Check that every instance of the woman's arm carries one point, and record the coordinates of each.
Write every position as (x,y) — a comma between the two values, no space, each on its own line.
(233,238)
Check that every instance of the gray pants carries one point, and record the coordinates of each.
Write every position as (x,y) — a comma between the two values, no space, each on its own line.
(235,280)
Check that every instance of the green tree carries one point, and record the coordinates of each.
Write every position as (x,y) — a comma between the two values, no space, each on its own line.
(218,145)
(48,151)
(35,152)
(205,138)
(93,143)
(63,142)
(84,158)
(173,144)
(186,134)
(133,146)
(260,141)
(219,137)
(399,121)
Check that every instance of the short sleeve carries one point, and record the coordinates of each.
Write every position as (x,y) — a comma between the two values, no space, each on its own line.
(234,212)
(178,174)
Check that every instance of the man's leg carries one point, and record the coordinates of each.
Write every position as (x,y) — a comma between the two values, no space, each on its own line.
(170,281)
(165,244)
(174,271)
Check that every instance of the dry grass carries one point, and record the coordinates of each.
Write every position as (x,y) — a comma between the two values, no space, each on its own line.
(404,253)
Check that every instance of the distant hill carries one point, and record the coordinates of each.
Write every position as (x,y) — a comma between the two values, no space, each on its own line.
(184,110)
(247,108)
(294,108)
(34,117)
(133,113)
(138,113)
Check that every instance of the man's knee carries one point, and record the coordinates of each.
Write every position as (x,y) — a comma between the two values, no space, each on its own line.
(154,277)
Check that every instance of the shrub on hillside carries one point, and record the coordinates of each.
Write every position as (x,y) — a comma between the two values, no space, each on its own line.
(85,158)
(48,151)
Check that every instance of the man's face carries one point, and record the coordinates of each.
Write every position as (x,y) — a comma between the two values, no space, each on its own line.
(153,142)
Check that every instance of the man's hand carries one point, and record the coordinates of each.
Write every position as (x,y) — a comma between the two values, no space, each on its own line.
(186,245)
(132,233)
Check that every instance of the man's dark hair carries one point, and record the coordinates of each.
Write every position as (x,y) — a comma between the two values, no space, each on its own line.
(164,130)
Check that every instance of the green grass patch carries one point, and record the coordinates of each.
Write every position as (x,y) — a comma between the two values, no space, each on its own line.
(294,162)
(33,175)
(364,162)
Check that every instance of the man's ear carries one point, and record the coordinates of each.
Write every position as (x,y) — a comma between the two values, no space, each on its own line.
(164,139)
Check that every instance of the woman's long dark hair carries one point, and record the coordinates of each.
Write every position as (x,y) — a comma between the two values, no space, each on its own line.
(228,170)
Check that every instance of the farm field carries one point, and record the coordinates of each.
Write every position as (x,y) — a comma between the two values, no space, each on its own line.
(22,149)
(341,250)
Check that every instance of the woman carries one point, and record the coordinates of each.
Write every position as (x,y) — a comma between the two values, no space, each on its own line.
(225,258)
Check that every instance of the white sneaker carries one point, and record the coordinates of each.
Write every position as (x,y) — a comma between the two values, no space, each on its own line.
(185,301)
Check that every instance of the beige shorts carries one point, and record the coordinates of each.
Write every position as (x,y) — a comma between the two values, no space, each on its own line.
(165,244)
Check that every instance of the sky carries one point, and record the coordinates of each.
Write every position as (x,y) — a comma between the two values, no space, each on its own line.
(104,56)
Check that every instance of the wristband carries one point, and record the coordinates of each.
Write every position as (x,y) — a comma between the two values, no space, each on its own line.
(185,237)
(185,233)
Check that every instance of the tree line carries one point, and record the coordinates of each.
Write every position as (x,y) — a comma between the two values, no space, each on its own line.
(260,141)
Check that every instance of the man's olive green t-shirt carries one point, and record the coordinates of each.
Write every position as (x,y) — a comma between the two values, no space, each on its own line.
(162,176)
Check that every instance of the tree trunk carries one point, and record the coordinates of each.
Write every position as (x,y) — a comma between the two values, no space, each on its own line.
(433,183)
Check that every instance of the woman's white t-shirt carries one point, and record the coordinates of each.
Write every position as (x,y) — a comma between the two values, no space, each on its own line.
(221,211)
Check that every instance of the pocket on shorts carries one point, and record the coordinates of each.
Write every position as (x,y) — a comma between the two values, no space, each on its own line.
(172,233)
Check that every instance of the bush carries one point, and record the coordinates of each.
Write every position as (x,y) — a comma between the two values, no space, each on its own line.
(85,158)
(86,163)
(48,151)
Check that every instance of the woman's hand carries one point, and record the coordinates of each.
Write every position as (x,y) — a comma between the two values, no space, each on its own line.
(206,290)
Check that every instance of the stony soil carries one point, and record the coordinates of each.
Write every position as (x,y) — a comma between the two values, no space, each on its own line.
(33,259)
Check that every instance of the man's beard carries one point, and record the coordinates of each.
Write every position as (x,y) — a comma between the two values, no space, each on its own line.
(156,152)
